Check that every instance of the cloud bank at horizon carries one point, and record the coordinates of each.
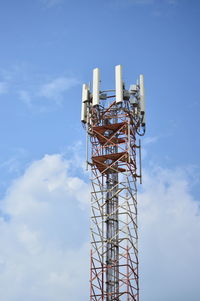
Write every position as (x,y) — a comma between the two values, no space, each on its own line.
(44,230)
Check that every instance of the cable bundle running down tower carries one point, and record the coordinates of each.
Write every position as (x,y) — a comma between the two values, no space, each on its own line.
(113,120)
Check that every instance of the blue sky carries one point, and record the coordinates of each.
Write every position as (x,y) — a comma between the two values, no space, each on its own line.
(48,49)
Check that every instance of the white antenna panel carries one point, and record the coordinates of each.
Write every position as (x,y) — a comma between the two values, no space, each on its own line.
(84,112)
(85,93)
(142,96)
(85,99)
(96,86)
(118,83)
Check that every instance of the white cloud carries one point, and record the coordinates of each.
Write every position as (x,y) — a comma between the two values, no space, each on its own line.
(36,91)
(44,249)
(169,237)
(11,165)
(25,97)
(150,140)
(3,87)
(47,95)
(146,141)
(45,241)
(55,88)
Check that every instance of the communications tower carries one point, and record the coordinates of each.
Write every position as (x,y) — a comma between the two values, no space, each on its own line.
(113,120)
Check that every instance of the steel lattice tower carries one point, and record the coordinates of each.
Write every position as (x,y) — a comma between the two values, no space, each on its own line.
(113,120)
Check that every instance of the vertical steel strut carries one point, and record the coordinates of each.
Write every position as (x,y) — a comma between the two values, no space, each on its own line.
(112,243)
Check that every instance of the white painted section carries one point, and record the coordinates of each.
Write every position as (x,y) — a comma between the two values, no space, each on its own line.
(96,87)
(85,93)
(118,83)
(84,112)
(85,100)
(133,88)
(142,95)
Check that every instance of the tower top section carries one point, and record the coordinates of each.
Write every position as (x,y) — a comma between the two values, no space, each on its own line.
(132,99)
